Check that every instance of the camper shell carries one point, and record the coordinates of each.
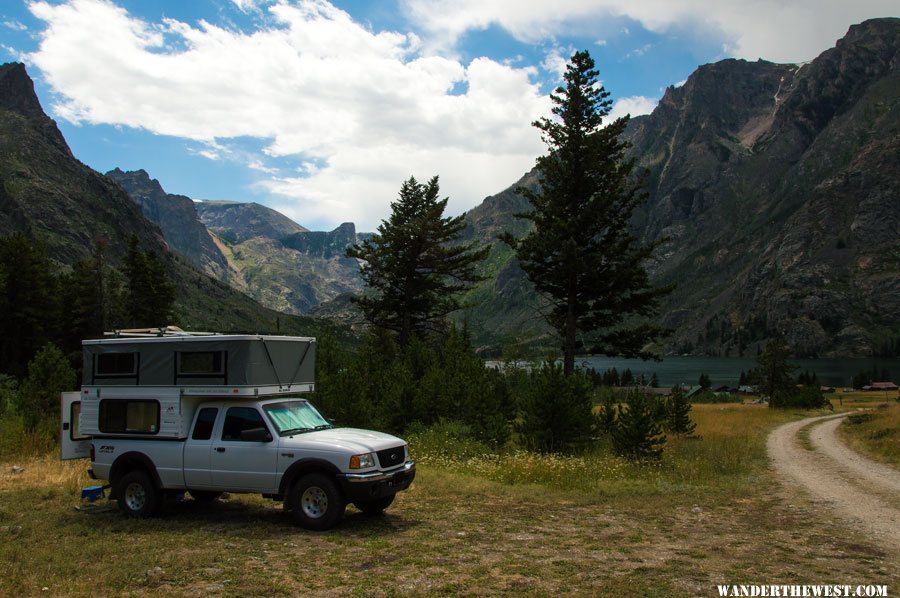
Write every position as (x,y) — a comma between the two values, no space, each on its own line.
(150,385)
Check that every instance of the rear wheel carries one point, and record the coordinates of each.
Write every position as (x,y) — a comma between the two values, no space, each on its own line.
(137,496)
(316,502)
(376,507)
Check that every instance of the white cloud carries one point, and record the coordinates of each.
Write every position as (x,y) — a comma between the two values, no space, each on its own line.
(771,29)
(556,60)
(634,105)
(367,108)
(14,25)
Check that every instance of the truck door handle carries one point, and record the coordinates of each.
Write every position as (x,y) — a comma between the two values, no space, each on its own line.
(220,449)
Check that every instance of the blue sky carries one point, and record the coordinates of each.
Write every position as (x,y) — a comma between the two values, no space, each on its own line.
(321,110)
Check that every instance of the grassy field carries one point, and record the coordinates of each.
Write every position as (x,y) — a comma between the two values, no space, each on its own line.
(473,523)
(876,432)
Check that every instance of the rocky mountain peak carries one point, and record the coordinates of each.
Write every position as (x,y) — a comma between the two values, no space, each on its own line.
(17,95)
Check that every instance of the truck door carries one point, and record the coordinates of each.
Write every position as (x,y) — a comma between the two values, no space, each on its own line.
(198,448)
(72,444)
(239,463)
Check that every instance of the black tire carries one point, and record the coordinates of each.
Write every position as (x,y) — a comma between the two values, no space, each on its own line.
(204,495)
(376,507)
(137,496)
(316,502)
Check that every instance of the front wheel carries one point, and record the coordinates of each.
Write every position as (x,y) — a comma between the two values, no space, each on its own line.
(137,495)
(316,502)
(376,507)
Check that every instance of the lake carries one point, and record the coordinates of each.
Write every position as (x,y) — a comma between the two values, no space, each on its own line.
(727,370)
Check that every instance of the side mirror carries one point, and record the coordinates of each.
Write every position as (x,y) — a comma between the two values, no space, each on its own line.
(256,435)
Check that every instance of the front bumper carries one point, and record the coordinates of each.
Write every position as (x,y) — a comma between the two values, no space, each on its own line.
(377,484)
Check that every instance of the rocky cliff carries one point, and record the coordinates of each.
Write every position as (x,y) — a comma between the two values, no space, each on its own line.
(177,218)
(776,187)
(47,194)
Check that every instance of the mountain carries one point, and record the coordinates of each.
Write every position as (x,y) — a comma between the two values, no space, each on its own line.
(279,263)
(235,222)
(177,217)
(47,194)
(776,188)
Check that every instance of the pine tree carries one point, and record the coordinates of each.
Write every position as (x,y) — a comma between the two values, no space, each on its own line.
(150,296)
(414,266)
(704,381)
(627,377)
(580,255)
(29,302)
(679,420)
(637,435)
(773,372)
(556,410)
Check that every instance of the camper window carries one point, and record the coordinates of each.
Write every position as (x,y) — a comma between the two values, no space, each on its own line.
(201,363)
(115,364)
(121,416)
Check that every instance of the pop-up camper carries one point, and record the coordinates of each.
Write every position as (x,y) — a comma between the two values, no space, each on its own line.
(164,412)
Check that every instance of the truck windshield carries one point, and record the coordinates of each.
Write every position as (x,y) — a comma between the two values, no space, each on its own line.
(295,417)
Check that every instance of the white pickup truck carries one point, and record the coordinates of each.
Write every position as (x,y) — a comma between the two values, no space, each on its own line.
(172,412)
(281,448)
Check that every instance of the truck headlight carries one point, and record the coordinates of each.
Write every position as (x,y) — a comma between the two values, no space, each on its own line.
(362,461)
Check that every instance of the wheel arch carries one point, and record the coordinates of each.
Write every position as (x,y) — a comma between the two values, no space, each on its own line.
(131,461)
(304,466)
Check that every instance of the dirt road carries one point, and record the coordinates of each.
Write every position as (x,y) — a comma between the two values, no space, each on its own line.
(864,493)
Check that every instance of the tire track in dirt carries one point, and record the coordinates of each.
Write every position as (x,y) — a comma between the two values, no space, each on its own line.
(858,490)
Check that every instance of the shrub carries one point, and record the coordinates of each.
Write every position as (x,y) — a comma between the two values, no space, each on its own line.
(679,413)
(555,410)
(637,435)
(808,397)
(49,374)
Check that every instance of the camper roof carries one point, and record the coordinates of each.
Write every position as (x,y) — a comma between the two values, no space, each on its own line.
(193,337)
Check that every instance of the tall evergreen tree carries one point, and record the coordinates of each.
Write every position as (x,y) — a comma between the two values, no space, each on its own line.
(580,255)
(150,295)
(29,302)
(414,266)
(773,372)
(679,416)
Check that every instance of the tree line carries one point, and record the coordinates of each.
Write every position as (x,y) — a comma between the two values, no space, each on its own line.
(46,310)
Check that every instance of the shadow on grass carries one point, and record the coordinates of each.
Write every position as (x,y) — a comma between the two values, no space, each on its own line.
(239,519)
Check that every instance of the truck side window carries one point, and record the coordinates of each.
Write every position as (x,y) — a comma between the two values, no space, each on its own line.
(204,426)
(238,419)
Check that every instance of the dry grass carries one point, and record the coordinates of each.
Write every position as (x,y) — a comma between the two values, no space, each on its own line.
(875,432)
(710,513)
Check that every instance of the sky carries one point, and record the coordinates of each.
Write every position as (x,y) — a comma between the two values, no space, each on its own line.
(322,109)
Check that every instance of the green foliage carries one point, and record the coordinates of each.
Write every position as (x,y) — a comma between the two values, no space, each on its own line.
(414,266)
(150,295)
(637,434)
(704,382)
(49,374)
(808,397)
(580,254)
(382,385)
(679,413)
(555,410)
(29,301)
(773,372)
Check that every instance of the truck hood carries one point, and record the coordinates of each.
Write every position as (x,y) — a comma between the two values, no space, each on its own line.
(344,440)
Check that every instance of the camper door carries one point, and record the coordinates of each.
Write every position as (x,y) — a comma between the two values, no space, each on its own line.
(72,444)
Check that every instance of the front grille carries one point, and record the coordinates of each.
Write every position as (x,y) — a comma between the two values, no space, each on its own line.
(391,457)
